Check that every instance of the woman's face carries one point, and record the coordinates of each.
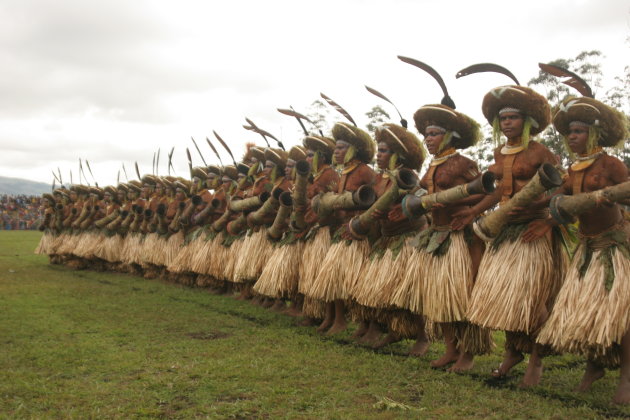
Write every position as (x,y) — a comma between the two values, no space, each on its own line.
(269,165)
(289,168)
(511,125)
(383,155)
(310,154)
(179,195)
(433,138)
(340,152)
(578,137)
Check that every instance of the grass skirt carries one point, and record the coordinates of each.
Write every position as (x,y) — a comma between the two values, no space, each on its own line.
(173,244)
(339,270)
(253,256)
(218,258)
(313,308)
(183,263)
(45,243)
(586,318)
(68,243)
(408,294)
(58,242)
(110,248)
(313,254)
(207,255)
(88,243)
(513,282)
(233,255)
(447,282)
(131,252)
(152,249)
(376,272)
(280,276)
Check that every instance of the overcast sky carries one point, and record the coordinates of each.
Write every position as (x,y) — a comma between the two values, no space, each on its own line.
(112,81)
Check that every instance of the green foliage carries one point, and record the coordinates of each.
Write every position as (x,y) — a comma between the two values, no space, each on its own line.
(319,113)
(587,65)
(81,344)
(377,116)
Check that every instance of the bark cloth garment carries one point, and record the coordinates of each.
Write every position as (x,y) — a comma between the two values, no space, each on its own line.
(592,311)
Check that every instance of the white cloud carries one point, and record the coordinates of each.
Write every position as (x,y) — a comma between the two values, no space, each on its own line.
(113,81)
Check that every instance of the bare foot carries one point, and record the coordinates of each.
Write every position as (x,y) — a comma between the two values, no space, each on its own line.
(622,395)
(533,373)
(359,332)
(510,359)
(390,338)
(591,374)
(419,348)
(278,306)
(326,323)
(293,310)
(372,335)
(446,359)
(337,327)
(464,363)
(267,303)
(308,322)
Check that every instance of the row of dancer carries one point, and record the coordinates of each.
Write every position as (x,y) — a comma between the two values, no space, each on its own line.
(448,255)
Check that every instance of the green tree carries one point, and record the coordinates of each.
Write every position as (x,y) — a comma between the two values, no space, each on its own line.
(377,116)
(319,113)
(587,65)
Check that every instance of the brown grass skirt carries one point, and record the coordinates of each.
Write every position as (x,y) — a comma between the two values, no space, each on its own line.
(57,242)
(448,282)
(232,258)
(183,263)
(408,294)
(206,256)
(218,258)
(586,318)
(253,256)
(339,270)
(280,276)
(513,282)
(45,243)
(110,248)
(68,243)
(173,245)
(314,308)
(376,272)
(152,249)
(314,253)
(131,252)
(87,244)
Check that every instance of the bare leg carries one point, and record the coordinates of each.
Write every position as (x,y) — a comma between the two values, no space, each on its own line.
(465,362)
(361,330)
(592,373)
(373,333)
(511,358)
(421,345)
(452,354)
(622,395)
(534,370)
(391,338)
(278,305)
(296,306)
(340,318)
(329,317)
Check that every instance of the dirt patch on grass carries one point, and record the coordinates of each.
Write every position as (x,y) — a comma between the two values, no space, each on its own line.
(207,335)
(234,398)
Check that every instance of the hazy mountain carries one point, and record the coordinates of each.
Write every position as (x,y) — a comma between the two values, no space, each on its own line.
(22,186)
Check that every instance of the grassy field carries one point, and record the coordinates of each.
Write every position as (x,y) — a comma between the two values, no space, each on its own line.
(80,344)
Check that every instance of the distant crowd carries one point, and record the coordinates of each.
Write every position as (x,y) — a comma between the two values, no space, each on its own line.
(20,212)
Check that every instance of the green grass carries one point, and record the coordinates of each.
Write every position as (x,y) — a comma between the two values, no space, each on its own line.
(80,344)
